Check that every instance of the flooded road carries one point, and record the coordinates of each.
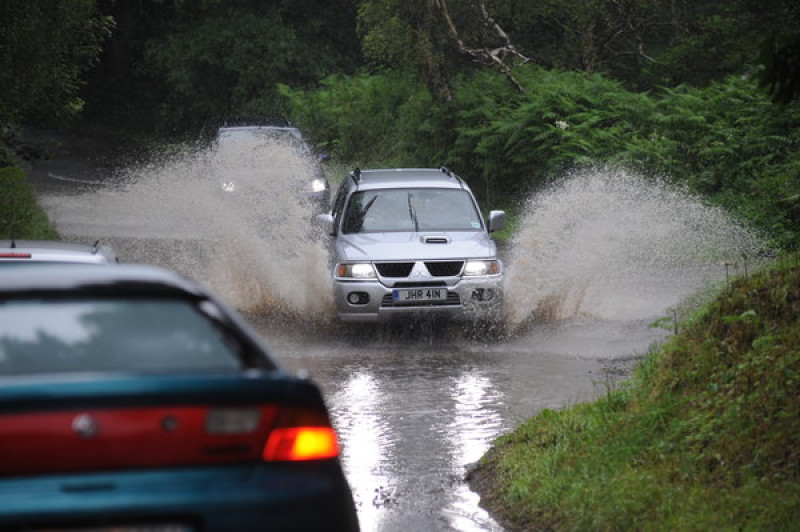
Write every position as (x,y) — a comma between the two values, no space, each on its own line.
(597,258)
(415,409)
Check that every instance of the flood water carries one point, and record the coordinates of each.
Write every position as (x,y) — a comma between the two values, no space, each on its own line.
(596,259)
(415,409)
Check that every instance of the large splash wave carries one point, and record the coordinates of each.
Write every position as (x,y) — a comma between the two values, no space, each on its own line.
(607,243)
(250,243)
(602,243)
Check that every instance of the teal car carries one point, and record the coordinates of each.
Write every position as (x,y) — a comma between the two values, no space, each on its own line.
(132,399)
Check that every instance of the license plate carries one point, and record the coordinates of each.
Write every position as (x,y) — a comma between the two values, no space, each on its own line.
(414,295)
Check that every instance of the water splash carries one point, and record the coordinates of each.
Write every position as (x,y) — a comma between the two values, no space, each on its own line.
(252,245)
(602,243)
(606,243)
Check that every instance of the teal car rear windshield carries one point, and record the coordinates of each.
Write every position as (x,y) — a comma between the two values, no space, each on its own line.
(125,335)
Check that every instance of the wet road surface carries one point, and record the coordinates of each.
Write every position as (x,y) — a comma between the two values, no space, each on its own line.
(414,409)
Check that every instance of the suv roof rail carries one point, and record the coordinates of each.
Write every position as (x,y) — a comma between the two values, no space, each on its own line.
(355,175)
(449,173)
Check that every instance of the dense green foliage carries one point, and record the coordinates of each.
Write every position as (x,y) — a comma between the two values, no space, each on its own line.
(642,44)
(408,37)
(703,437)
(20,214)
(727,141)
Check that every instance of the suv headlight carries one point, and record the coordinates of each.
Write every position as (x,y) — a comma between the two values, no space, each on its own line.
(358,270)
(476,268)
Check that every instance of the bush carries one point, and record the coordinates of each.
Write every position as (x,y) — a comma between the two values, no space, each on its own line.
(367,120)
(20,214)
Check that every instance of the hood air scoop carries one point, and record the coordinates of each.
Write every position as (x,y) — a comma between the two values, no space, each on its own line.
(435,240)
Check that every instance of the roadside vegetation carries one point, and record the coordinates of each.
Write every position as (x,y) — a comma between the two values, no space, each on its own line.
(21,217)
(704,436)
(727,142)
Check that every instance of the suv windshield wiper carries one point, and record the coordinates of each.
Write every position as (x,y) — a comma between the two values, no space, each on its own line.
(357,221)
(413,213)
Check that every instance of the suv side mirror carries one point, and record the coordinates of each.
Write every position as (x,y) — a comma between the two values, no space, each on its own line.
(325,221)
(497,220)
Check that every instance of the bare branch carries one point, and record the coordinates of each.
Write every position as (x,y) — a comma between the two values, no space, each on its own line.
(487,56)
(644,55)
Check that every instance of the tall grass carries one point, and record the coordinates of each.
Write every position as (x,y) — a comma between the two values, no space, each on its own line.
(704,435)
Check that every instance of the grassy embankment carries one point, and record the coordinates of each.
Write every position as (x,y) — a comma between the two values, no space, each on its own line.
(704,436)
(21,217)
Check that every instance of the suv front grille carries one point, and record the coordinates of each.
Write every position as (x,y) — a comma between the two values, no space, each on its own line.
(394,269)
(445,269)
(436,269)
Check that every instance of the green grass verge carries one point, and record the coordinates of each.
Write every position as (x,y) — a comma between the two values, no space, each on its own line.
(21,217)
(704,436)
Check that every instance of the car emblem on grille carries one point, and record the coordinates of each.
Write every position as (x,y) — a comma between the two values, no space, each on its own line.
(419,270)
(85,426)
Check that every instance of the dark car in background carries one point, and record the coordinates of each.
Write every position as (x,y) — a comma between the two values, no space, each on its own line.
(310,180)
(132,399)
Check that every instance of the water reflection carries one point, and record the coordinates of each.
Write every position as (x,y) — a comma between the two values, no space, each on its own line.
(357,409)
(412,416)
(409,428)
(476,417)
(477,420)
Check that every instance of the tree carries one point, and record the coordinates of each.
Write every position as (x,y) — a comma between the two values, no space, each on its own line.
(781,74)
(408,35)
(643,44)
(433,37)
(780,54)
(46,46)
(498,54)
(175,66)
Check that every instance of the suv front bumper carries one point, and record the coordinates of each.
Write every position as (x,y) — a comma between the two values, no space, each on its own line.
(479,298)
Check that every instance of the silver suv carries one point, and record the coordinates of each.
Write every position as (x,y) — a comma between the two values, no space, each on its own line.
(412,243)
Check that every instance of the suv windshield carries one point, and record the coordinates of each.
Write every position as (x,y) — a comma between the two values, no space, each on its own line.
(411,209)
(110,335)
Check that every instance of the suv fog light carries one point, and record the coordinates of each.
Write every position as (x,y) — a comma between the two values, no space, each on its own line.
(358,298)
(483,294)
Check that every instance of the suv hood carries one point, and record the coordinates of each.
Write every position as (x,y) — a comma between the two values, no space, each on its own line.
(413,246)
